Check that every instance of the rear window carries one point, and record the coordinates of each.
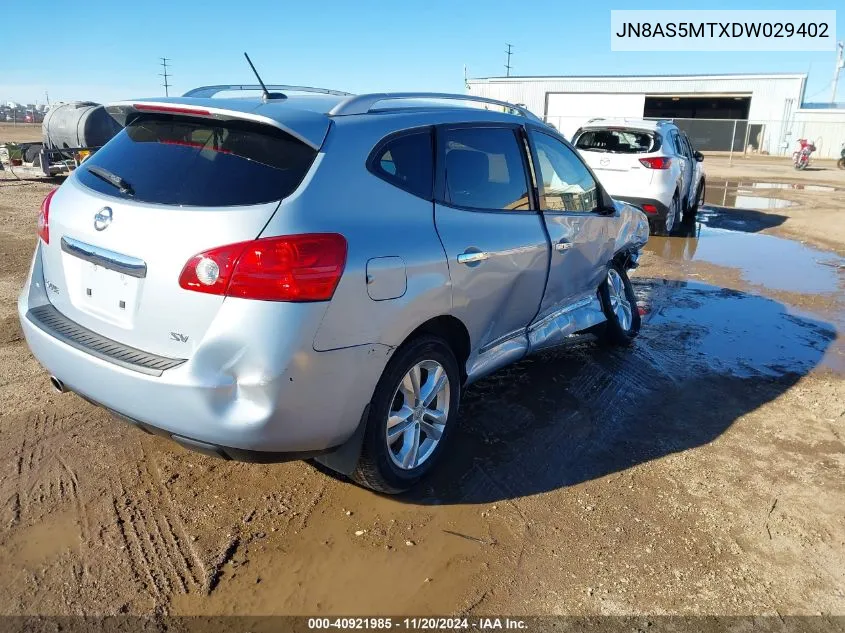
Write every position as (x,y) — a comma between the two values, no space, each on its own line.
(193,162)
(406,161)
(618,141)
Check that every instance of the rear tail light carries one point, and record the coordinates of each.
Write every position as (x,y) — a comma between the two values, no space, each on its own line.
(288,268)
(649,208)
(44,218)
(656,162)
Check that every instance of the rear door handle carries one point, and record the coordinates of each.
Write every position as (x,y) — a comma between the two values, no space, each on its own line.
(562,246)
(469,258)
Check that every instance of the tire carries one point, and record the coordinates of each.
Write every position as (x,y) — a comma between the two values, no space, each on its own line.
(619,331)
(841,163)
(699,199)
(379,466)
(665,226)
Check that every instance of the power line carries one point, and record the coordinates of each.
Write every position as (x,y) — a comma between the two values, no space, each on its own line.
(508,64)
(840,63)
(166,75)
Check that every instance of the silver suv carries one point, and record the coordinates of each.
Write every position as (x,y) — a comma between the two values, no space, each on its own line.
(319,274)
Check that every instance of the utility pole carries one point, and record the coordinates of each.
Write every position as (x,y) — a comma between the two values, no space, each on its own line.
(508,64)
(47,96)
(165,74)
(840,62)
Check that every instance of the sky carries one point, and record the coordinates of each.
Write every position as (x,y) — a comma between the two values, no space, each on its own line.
(105,51)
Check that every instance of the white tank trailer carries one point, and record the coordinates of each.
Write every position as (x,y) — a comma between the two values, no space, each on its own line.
(77,124)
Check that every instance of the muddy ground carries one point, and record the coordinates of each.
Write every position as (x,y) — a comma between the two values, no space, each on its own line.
(701,471)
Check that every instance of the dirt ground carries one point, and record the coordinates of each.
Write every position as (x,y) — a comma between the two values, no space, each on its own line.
(20,132)
(700,472)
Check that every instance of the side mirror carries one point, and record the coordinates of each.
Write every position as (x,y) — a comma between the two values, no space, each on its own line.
(698,156)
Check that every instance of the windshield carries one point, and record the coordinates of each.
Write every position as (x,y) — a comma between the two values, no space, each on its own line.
(618,141)
(195,162)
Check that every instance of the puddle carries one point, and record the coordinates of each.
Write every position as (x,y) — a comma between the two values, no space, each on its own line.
(746,334)
(740,194)
(766,260)
(583,411)
(794,186)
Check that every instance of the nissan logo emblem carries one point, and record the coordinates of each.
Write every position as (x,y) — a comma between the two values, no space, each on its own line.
(102,219)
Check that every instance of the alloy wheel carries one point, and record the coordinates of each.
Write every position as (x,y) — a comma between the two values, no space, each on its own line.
(418,414)
(619,303)
(673,214)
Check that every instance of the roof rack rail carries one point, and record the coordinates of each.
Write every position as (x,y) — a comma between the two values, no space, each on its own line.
(210,91)
(655,120)
(363,104)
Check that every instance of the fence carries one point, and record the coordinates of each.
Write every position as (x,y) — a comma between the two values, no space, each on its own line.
(774,137)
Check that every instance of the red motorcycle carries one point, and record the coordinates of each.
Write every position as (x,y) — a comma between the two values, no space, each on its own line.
(801,156)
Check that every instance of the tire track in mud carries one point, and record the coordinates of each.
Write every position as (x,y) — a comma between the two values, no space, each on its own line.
(155,544)
(39,479)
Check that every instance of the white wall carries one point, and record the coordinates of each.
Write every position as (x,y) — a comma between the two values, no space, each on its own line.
(768,92)
(826,128)
(577,109)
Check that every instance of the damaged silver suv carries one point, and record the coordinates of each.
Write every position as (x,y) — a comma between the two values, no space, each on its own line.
(317,274)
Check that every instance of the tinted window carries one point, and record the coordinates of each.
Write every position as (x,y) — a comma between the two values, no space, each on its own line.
(617,141)
(485,169)
(687,146)
(193,162)
(565,183)
(677,146)
(407,161)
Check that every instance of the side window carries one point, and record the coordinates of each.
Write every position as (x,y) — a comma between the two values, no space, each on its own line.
(565,183)
(688,147)
(406,161)
(675,143)
(484,169)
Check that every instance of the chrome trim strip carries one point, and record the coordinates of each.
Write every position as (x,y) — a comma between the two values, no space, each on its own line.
(117,262)
(501,339)
(554,315)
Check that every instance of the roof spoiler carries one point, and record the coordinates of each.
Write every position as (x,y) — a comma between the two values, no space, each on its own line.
(305,125)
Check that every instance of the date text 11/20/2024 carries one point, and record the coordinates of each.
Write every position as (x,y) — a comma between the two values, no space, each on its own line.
(419,624)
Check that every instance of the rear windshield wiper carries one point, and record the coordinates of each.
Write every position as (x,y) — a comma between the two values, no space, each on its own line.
(113,179)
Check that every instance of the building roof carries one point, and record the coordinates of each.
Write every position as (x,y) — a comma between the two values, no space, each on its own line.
(515,78)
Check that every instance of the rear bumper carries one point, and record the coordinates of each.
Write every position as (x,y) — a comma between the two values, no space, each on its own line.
(662,209)
(253,389)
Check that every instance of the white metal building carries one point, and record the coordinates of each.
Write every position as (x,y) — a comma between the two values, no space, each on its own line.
(760,113)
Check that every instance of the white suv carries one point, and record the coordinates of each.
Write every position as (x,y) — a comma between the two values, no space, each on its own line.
(650,164)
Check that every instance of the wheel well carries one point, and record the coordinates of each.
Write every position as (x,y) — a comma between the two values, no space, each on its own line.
(454,332)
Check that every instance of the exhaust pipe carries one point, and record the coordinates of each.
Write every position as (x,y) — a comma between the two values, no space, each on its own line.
(58,385)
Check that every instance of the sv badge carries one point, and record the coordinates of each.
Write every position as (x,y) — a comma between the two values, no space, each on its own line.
(175,336)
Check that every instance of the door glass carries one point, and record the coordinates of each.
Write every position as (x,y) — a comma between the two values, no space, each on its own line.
(677,148)
(687,147)
(485,169)
(565,183)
